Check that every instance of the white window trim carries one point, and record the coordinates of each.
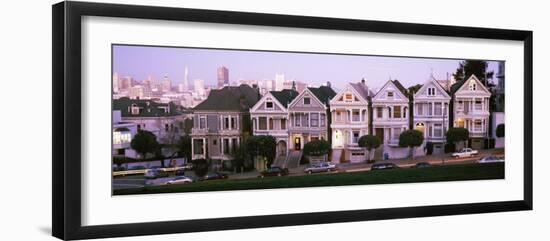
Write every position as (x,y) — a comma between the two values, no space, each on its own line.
(272,105)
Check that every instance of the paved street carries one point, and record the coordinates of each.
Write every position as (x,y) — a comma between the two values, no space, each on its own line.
(432,159)
(138,181)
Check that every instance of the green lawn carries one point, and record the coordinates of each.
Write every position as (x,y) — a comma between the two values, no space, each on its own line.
(404,175)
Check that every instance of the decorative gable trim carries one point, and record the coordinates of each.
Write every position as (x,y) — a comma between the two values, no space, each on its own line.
(264,99)
(464,86)
(349,87)
(301,96)
(382,90)
(440,89)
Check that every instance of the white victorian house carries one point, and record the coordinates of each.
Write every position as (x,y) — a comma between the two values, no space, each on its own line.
(471,110)
(350,120)
(308,116)
(431,114)
(270,117)
(390,113)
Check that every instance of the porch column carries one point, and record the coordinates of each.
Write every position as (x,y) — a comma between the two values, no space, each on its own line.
(192,147)
(204,146)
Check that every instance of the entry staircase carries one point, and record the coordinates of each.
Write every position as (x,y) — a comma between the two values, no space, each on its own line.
(293,159)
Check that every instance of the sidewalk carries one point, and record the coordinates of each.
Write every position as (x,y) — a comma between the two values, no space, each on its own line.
(432,159)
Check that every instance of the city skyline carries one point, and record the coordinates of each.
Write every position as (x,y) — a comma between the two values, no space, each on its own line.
(140,62)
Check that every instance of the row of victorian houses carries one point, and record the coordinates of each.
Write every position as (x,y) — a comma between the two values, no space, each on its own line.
(295,118)
(230,114)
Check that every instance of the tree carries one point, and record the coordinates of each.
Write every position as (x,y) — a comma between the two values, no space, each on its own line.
(500,130)
(316,148)
(145,142)
(455,135)
(184,147)
(413,89)
(369,142)
(200,167)
(187,126)
(478,68)
(264,146)
(412,139)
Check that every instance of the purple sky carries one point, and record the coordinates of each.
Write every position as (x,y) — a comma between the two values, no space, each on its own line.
(142,61)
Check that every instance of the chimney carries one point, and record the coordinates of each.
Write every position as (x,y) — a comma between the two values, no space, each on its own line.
(328,84)
(363,81)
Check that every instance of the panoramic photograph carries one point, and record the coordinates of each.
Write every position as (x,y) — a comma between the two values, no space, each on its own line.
(202,119)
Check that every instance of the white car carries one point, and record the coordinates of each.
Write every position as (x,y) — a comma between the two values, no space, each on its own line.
(180,179)
(321,167)
(490,159)
(465,152)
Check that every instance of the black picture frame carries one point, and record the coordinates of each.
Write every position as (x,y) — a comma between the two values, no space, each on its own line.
(66,47)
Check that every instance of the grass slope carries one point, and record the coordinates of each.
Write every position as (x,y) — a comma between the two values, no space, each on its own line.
(405,175)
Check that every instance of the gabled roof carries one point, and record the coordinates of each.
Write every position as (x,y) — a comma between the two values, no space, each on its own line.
(148,108)
(435,82)
(400,87)
(323,93)
(285,96)
(362,89)
(462,85)
(402,91)
(229,99)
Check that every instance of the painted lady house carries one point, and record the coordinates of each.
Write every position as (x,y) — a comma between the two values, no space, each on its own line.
(471,110)
(270,117)
(220,122)
(390,117)
(431,115)
(309,120)
(349,121)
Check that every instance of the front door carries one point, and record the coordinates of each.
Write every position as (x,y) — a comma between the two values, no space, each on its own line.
(380,134)
(297,143)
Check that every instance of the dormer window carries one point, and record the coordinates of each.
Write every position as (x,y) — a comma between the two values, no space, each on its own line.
(473,86)
(390,94)
(269,105)
(307,101)
(349,97)
(431,91)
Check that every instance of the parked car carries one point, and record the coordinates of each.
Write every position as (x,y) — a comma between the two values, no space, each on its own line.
(422,165)
(155,173)
(119,169)
(179,180)
(134,170)
(180,172)
(214,176)
(383,166)
(274,171)
(490,159)
(320,167)
(465,152)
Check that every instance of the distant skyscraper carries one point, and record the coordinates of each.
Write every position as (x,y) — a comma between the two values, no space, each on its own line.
(138,92)
(185,81)
(166,84)
(125,83)
(223,76)
(279,82)
(199,87)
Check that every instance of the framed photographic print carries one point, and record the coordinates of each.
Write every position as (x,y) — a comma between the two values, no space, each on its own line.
(170,120)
